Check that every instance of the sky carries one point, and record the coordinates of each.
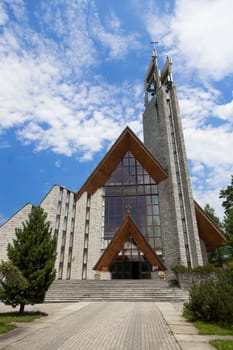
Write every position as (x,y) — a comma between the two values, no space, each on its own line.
(72,74)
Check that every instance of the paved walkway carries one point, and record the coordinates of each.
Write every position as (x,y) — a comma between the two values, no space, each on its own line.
(106,326)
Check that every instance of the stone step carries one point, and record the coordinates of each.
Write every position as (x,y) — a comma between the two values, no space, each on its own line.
(131,290)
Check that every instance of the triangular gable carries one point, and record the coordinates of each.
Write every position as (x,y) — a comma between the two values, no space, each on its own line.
(127,141)
(128,228)
(208,231)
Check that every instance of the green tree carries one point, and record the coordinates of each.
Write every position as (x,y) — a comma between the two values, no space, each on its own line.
(33,252)
(211,214)
(227,196)
(12,284)
(215,256)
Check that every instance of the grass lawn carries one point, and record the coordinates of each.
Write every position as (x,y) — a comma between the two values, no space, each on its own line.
(222,344)
(4,327)
(7,319)
(212,328)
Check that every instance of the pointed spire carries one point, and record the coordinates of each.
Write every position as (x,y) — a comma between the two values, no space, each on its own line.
(156,72)
(152,80)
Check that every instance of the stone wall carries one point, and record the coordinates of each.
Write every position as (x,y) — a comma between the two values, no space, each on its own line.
(59,206)
(78,244)
(163,136)
(7,230)
(155,126)
(187,279)
(96,222)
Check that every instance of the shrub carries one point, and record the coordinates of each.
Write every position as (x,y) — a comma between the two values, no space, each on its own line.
(179,269)
(212,300)
(225,291)
(201,269)
(203,301)
(207,269)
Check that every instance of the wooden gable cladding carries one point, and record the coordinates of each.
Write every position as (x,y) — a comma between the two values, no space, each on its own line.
(126,230)
(127,141)
(208,231)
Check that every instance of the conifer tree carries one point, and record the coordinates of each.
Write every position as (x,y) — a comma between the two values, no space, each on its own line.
(211,214)
(215,256)
(33,252)
(227,195)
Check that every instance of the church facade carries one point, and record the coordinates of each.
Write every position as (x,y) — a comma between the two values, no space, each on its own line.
(135,214)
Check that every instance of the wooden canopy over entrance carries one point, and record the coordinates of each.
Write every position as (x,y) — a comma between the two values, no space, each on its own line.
(127,141)
(127,229)
(208,231)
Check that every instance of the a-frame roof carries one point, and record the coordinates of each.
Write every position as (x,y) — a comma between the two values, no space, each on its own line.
(127,141)
(127,229)
(208,231)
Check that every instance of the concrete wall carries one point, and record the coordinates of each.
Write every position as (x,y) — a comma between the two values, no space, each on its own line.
(158,140)
(192,230)
(163,136)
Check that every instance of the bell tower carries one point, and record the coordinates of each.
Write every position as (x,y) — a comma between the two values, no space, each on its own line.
(163,136)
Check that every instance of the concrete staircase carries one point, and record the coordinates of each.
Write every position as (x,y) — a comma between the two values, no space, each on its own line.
(114,290)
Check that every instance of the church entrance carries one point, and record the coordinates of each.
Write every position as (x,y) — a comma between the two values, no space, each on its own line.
(130,263)
(129,255)
(126,269)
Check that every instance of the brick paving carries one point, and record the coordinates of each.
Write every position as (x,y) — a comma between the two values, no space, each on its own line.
(94,326)
(107,326)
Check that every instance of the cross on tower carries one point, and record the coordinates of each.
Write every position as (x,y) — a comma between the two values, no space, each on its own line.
(154,43)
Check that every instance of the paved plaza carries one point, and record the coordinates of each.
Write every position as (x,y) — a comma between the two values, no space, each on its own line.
(106,326)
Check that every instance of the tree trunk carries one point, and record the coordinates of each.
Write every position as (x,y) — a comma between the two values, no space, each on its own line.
(21,309)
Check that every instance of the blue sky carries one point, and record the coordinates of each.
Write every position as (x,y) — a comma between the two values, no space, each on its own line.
(72,76)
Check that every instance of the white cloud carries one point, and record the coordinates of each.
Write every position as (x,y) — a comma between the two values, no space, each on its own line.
(58,163)
(210,145)
(208,133)
(63,117)
(203,30)
(51,107)
(3,15)
(198,34)
(197,104)
(225,111)
(16,6)
(54,100)
(4,144)
(207,126)
(114,38)
(211,197)
(113,22)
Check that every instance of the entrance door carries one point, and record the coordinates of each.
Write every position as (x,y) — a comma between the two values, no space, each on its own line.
(123,269)
(135,270)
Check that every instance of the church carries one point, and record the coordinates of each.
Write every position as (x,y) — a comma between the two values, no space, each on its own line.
(135,215)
